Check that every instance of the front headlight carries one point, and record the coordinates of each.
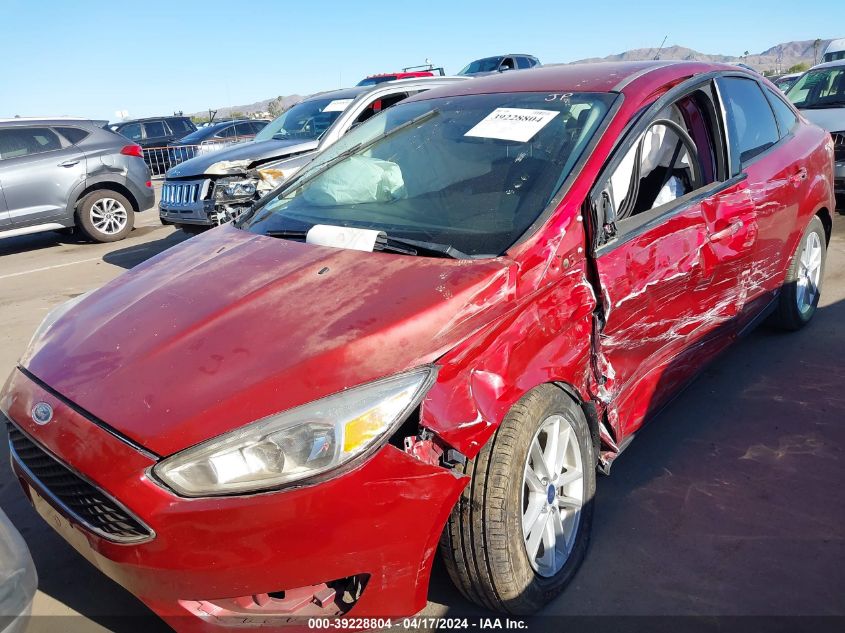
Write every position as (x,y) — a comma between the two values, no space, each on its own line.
(296,444)
(235,189)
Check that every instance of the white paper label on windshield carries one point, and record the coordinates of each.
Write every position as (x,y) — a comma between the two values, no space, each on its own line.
(512,124)
(338,105)
(342,237)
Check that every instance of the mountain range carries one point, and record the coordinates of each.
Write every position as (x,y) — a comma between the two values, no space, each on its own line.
(776,59)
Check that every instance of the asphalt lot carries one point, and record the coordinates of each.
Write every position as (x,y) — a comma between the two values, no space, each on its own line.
(728,503)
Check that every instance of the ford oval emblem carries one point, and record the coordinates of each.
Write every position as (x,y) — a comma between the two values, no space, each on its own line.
(42,413)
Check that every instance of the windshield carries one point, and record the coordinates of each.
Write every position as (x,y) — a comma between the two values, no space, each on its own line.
(821,88)
(306,120)
(472,172)
(487,65)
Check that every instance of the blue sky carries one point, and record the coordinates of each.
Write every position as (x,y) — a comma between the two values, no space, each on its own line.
(92,58)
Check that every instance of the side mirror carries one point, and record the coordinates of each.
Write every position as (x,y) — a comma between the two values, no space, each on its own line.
(504,68)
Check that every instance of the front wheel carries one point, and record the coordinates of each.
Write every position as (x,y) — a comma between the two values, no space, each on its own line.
(801,289)
(521,528)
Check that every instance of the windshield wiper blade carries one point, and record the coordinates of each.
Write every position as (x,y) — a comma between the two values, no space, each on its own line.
(287,235)
(395,243)
(837,103)
(402,245)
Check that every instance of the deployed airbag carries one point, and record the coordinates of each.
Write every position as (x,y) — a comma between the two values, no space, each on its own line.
(357,180)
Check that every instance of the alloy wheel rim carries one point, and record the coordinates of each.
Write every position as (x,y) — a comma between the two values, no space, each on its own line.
(809,273)
(552,495)
(109,216)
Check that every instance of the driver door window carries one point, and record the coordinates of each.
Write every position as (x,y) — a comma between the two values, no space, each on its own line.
(675,156)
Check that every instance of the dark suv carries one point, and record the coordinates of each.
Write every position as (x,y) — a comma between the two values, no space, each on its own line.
(156,131)
(153,135)
(62,173)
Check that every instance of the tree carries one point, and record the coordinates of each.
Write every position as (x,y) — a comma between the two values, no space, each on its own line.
(276,107)
(798,68)
(237,114)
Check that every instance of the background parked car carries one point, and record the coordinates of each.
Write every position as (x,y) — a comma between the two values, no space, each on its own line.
(155,132)
(820,96)
(500,63)
(212,138)
(18,580)
(61,173)
(785,82)
(211,189)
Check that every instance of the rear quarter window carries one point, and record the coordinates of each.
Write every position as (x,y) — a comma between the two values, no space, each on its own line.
(783,113)
(73,134)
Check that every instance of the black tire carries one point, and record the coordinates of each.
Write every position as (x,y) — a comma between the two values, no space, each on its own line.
(788,315)
(482,544)
(86,222)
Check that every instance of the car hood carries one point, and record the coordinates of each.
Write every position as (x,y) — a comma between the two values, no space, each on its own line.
(831,119)
(253,151)
(230,327)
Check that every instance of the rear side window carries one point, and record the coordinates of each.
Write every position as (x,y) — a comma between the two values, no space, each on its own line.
(180,127)
(132,131)
(17,142)
(155,129)
(783,113)
(751,124)
(523,62)
(257,126)
(72,134)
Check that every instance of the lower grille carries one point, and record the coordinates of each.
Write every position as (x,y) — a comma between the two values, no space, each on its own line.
(81,500)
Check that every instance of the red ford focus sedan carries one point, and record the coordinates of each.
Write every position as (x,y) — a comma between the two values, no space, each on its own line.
(431,338)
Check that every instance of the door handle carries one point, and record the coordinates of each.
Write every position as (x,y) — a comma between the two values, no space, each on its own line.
(799,176)
(69,163)
(732,229)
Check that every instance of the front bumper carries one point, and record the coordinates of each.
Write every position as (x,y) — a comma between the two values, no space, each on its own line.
(381,520)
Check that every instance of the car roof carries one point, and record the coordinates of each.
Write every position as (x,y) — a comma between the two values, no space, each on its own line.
(833,64)
(153,118)
(626,77)
(55,120)
(341,93)
(410,82)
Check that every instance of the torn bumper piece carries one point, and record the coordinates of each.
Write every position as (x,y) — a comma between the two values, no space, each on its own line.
(380,520)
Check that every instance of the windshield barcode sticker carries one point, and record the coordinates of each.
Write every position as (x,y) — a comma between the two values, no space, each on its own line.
(512,124)
(338,105)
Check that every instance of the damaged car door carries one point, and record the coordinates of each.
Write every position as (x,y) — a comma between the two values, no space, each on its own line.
(675,231)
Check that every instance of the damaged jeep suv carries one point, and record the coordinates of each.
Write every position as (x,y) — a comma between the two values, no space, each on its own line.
(214,188)
(436,332)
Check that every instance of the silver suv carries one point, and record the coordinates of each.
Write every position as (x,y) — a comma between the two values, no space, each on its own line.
(62,173)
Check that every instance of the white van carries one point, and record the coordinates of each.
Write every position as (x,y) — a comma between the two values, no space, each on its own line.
(834,51)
